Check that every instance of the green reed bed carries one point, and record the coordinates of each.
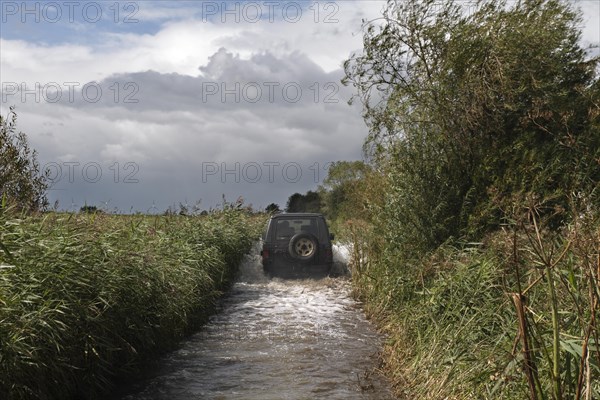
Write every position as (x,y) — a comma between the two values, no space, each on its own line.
(514,317)
(87,298)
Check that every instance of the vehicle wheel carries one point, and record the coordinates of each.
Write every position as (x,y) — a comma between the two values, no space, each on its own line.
(303,247)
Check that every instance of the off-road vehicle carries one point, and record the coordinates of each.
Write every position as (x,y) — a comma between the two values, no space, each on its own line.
(297,243)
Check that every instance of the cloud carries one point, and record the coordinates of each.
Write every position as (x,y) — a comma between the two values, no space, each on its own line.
(174,132)
(192,103)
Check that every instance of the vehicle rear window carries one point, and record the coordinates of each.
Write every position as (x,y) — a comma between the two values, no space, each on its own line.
(288,227)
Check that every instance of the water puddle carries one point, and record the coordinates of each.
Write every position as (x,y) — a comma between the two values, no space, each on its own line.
(275,339)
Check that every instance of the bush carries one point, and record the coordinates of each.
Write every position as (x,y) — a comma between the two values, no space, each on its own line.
(484,129)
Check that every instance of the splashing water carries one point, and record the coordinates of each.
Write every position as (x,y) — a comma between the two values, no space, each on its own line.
(275,339)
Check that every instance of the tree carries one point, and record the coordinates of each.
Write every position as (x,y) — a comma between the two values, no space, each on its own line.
(272,208)
(309,202)
(22,183)
(90,210)
(466,109)
(472,118)
(340,186)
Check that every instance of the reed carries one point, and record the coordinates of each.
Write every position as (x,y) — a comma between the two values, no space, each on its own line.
(514,316)
(85,298)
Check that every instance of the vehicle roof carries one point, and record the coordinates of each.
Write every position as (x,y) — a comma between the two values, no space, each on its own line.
(295,215)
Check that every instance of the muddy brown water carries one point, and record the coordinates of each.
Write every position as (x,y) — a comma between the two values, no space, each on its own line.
(275,339)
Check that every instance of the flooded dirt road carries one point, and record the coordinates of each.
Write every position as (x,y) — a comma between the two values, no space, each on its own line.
(275,339)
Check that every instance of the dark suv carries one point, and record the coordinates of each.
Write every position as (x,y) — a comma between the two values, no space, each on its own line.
(297,243)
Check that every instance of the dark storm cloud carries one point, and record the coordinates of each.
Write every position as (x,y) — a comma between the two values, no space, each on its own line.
(188,145)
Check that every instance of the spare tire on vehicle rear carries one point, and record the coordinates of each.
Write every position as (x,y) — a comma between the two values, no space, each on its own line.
(303,246)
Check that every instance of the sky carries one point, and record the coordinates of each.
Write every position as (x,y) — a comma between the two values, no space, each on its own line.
(142,105)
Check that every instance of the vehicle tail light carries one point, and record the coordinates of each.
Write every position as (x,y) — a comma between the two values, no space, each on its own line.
(264,254)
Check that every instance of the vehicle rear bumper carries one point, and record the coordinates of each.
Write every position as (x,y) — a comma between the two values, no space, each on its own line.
(284,268)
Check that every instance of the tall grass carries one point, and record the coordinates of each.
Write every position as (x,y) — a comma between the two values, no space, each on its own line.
(87,298)
(516,316)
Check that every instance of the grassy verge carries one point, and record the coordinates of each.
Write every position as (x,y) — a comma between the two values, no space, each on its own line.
(87,298)
(513,317)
